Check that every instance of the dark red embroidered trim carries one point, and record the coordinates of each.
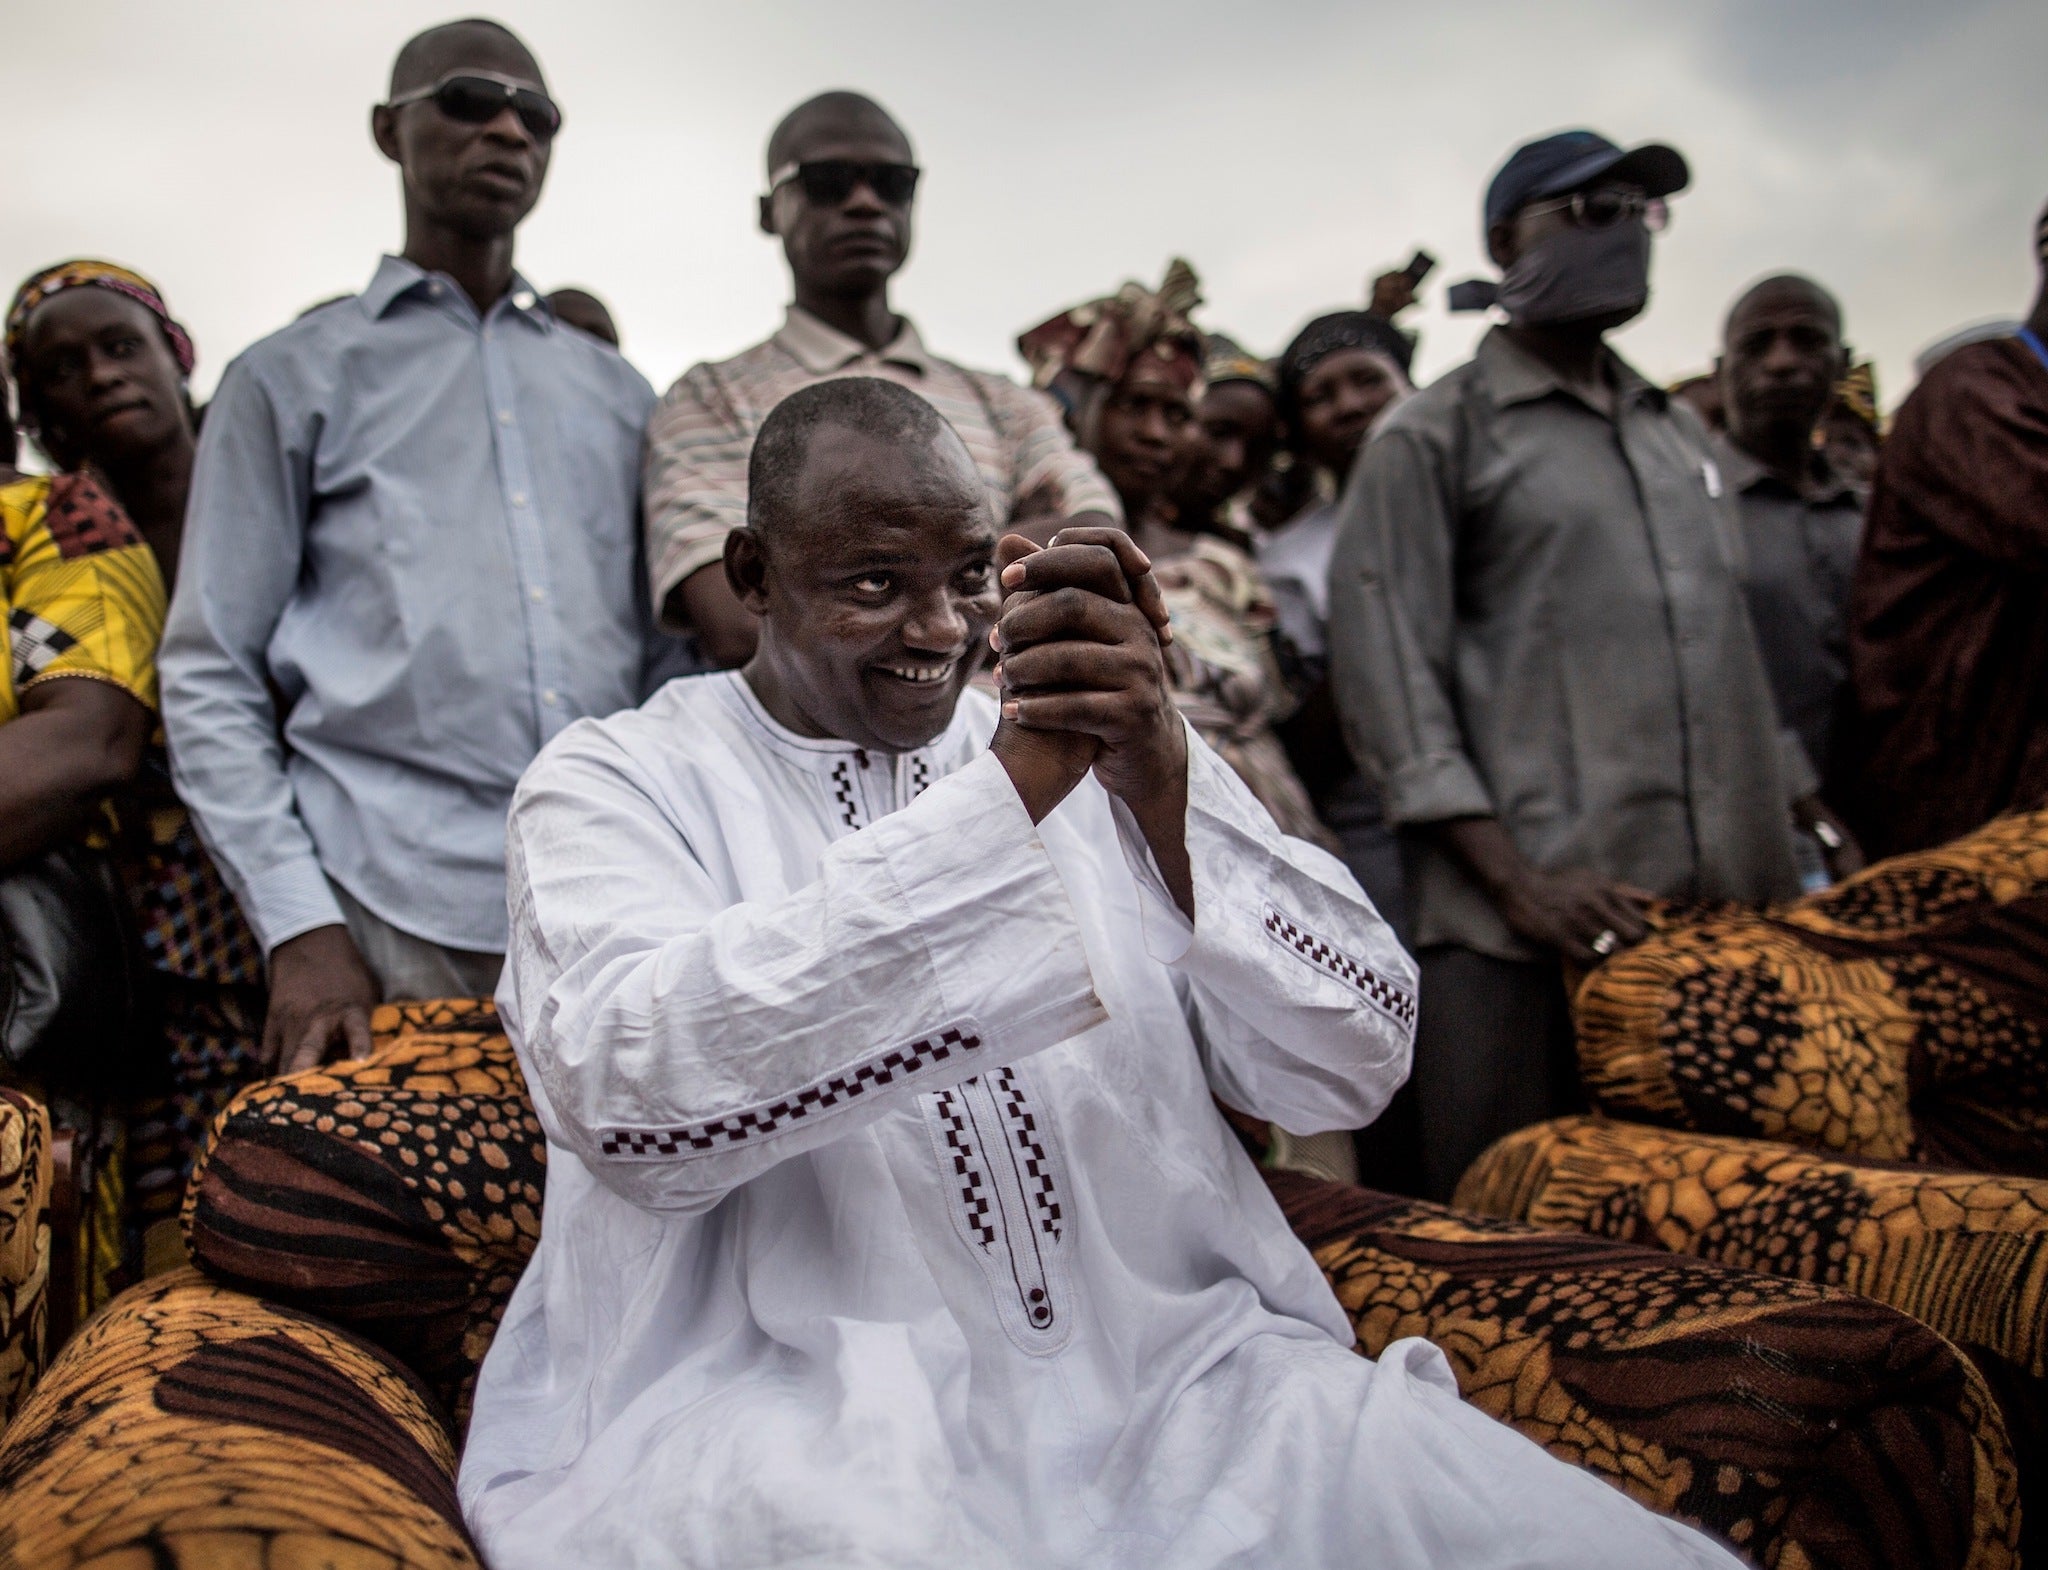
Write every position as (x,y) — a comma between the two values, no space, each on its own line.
(975,1198)
(1397,1003)
(759,1122)
(84,520)
(1034,1170)
(842,791)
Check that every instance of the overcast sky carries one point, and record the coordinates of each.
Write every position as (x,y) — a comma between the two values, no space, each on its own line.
(1895,149)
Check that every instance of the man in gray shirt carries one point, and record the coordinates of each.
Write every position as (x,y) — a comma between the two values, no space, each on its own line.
(411,558)
(1802,522)
(1542,654)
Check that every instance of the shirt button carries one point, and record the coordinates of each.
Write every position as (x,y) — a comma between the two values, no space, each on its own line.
(519,498)
(434,289)
(551,698)
(536,595)
(504,416)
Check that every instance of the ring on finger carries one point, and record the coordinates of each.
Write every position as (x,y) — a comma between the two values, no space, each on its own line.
(1604,944)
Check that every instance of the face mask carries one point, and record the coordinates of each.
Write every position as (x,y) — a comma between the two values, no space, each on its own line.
(1576,273)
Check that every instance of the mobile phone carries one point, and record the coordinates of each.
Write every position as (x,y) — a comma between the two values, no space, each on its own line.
(1418,267)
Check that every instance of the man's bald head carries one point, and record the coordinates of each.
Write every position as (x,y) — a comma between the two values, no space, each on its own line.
(1781,290)
(883,414)
(837,116)
(474,44)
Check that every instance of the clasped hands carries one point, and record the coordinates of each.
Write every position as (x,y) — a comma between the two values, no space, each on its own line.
(1082,675)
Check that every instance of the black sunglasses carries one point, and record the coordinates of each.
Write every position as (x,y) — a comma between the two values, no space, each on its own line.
(478,97)
(1604,206)
(830,181)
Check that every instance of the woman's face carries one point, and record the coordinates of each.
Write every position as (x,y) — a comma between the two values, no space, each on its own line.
(104,382)
(1138,435)
(1228,445)
(1340,398)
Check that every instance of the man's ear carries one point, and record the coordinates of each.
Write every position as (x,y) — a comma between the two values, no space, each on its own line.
(1500,244)
(746,570)
(384,130)
(768,213)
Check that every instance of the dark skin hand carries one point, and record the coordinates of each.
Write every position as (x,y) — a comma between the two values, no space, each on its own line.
(321,994)
(74,740)
(1563,911)
(1083,677)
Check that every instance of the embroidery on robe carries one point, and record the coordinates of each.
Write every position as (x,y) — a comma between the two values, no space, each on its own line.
(1008,1212)
(1397,1003)
(842,793)
(757,1123)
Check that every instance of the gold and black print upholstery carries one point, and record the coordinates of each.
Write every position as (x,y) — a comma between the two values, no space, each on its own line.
(1901,1015)
(188,1427)
(1807,1427)
(25,1241)
(398,1196)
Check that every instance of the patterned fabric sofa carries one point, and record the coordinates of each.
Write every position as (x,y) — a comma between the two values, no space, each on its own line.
(1850,1090)
(25,1250)
(360,1228)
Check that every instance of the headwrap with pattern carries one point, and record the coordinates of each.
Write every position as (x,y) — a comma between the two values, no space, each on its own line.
(1224,359)
(84,273)
(1106,337)
(1328,335)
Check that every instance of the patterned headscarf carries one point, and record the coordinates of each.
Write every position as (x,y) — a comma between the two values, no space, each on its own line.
(1226,360)
(1856,393)
(1328,335)
(1106,337)
(98,275)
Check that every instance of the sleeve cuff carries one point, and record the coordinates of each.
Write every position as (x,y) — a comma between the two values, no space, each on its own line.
(1433,787)
(288,900)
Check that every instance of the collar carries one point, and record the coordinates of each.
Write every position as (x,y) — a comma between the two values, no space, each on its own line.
(1824,488)
(1510,374)
(822,349)
(397,278)
(820,754)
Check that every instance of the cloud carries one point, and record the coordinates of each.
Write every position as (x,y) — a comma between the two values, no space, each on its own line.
(1890,149)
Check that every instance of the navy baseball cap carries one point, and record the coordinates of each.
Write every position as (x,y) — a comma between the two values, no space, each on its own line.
(1556,164)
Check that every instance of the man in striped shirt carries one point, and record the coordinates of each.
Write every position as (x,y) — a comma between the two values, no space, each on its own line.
(840,183)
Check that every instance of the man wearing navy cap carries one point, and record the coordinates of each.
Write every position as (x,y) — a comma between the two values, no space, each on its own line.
(1541,649)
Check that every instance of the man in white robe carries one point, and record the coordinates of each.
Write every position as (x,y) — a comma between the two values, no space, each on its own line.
(890,1221)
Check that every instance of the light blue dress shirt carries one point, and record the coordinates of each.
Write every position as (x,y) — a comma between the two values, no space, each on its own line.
(419,530)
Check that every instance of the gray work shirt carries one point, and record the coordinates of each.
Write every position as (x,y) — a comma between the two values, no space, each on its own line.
(1536,615)
(1799,549)
(419,527)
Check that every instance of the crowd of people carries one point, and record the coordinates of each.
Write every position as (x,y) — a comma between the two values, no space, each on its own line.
(1479,672)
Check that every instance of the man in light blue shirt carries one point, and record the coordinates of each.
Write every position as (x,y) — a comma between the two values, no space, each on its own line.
(410,560)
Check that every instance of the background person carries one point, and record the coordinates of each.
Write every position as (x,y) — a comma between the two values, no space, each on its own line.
(1781,360)
(413,519)
(841,181)
(1228,447)
(585,312)
(1542,655)
(1948,646)
(103,370)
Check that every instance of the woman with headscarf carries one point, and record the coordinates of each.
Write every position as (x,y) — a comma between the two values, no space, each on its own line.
(1338,377)
(1229,444)
(1128,371)
(102,370)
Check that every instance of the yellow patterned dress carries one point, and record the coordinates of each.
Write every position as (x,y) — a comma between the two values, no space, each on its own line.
(81,597)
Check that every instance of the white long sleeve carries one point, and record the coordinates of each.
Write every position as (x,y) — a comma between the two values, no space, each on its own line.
(1303,1000)
(684,1044)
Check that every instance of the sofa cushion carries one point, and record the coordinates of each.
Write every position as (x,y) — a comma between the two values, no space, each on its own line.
(398,1196)
(1901,1015)
(24,1246)
(188,1425)
(1808,1427)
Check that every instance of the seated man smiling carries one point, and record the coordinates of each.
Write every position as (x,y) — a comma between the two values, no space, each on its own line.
(890,1221)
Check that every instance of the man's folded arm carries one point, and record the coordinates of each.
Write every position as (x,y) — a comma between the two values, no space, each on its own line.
(683,1044)
(1303,998)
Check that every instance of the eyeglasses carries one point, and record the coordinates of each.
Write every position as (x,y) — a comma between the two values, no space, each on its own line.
(1607,205)
(479,97)
(830,181)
